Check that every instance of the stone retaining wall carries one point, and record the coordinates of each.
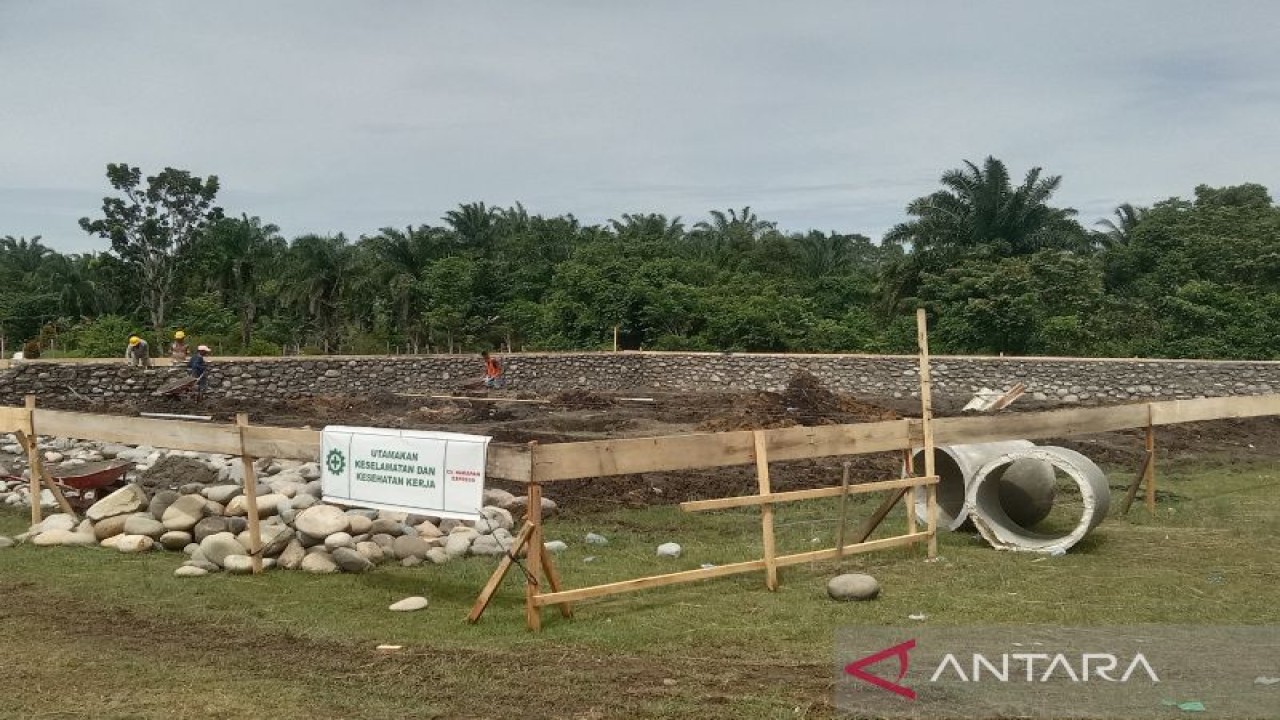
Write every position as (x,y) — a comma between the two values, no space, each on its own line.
(1061,380)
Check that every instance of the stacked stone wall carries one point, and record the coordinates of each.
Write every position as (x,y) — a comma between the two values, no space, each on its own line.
(1055,380)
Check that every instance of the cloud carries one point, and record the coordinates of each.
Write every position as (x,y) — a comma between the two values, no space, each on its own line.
(338,116)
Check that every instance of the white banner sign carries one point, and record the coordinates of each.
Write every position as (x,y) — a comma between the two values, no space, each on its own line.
(413,471)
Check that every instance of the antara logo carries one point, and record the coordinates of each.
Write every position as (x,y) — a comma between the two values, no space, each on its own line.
(1008,667)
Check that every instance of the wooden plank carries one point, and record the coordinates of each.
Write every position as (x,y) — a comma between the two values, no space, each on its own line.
(844,504)
(766,511)
(33,459)
(1132,491)
(1036,425)
(38,467)
(250,497)
(600,458)
(283,443)
(926,424)
(837,553)
(174,434)
(566,461)
(509,462)
(908,470)
(175,416)
(653,581)
(811,494)
(12,419)
(1216,408)
(491,587)
(532,611)
(553,579)
(468,397)
(1150,474)
(649,582)
(871,523)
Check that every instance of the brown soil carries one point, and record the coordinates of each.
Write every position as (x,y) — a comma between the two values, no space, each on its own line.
(172,472)
(580,415)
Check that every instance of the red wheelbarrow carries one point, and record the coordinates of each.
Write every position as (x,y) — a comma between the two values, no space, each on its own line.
(84,485)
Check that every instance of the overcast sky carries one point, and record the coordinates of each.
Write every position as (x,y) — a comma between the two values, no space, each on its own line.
(351,116)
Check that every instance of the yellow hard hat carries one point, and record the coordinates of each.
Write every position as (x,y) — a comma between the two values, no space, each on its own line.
(134,340)
(179,335)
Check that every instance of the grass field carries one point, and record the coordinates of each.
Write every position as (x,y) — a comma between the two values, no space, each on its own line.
(91,633)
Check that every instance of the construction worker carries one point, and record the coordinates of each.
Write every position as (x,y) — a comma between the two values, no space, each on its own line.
(198,367)
(178,350)
(138,353)
(494,378)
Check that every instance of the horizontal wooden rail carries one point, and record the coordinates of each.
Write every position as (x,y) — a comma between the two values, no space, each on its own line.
(601,458)
(508,462)
(814,494)
(721,570)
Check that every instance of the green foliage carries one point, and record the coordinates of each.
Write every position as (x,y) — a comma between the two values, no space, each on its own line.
(103,337)
(1001,268)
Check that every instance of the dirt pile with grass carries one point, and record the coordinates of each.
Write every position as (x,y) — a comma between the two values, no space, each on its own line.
(805,401)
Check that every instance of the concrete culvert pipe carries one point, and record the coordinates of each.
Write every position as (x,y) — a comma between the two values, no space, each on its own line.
(1026,488)
(989,513)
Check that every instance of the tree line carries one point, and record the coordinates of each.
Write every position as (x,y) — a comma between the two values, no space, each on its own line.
(1001,268)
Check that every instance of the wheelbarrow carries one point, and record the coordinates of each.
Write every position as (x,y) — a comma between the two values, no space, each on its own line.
(178,388)
(84,485)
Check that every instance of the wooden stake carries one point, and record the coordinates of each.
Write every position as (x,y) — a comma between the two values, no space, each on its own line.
(615,338)
(1150,475)
(532,614)
(926,421)
(250,497)
(1136,483)
(844,504)
(33,460)
(553,579)
(38,468)
(870,524)
(909,470)
(482,602)
(766,511)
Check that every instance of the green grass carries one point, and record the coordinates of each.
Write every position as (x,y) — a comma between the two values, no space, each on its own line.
(720,648)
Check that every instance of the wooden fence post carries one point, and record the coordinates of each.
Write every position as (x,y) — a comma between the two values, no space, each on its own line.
(766,510)
(250,497)
(532,613)
(33,460)
(926,422)
(1150,478)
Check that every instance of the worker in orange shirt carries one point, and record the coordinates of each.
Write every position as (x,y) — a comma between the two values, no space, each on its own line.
(494,378)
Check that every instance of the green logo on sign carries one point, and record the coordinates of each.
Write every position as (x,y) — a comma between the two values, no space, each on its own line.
(336,461)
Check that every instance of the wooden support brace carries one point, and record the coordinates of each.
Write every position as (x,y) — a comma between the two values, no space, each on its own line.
(491,587)
(250,496)
(1149,477)
(869,525)
(844,506)
(532,613)
(38,469)
(766,511)
(33,461)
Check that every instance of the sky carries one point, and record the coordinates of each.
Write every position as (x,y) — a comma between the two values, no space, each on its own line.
(348,117)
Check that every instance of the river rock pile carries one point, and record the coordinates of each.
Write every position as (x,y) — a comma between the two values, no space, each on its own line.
(209,522)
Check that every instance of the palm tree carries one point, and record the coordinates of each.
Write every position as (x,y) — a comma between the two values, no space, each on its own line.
(980,209)
(1119,232)
(318,275)
(729,235)
(22,257)
(824,254)
(634,227)
(474,226)
(73,279)
(239,253)
(403,257)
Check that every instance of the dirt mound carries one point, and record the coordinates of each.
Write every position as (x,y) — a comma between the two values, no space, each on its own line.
(581,399)
(805,401)
(174,471)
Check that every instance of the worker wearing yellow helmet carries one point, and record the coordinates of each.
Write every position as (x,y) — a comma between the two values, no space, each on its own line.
(178,350)
(138,353)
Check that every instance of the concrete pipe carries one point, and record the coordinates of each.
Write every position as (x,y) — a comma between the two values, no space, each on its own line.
(1026,488)
(989,513)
